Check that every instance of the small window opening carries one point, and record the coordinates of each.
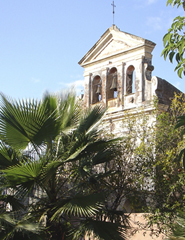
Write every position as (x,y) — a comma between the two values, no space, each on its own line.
(130,80)
(97,90)
(99,97)
(112,84)
(115,94)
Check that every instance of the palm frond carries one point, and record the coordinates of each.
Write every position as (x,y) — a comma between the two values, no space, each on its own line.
(75,156)
(12,228)
(103,156)
(29,121)
(14,202)
(68,111)
(99,230)
(180,121)
(7,156)
(98,145)
(89,120)
(50,170)
(20,121)
(80,205)
(105,147)
(23,172)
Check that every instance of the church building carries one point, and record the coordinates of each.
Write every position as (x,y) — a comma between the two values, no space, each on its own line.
(118,74)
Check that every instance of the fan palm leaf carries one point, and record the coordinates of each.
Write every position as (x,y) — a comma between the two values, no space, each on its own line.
(100,230)
(24,172)
(69,111)
(20,122)
(8,156)
(80,205)
(87,123)
(30,121)
(12,228)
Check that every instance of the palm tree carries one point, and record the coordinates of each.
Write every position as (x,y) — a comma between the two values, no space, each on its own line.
(56,163)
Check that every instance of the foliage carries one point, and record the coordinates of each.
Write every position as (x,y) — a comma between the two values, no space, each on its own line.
(155,173)
(174,39)
(178,227)
(54,169)
(74,180)
(168,196)
(174,48)
(11,228)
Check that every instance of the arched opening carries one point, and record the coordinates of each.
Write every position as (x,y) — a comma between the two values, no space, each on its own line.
(112,84)
(130,80)
(96,89)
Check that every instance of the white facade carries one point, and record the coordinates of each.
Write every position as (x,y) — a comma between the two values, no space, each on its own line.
(118,73)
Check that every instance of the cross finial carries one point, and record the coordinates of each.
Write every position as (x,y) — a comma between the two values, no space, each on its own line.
(113,10)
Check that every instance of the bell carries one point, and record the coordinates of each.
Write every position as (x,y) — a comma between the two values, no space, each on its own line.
(114,85)
(98,90)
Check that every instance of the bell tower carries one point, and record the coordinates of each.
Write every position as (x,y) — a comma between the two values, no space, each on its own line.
(117,71)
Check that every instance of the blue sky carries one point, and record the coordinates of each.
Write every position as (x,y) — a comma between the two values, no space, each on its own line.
(41,41)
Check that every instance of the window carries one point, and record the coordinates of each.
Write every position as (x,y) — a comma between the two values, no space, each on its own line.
(130,80)
(112,84)
(96,89)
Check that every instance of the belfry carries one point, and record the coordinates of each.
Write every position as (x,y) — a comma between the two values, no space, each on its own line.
(118,72)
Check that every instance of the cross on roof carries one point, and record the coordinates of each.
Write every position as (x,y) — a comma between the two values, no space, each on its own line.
(113,10)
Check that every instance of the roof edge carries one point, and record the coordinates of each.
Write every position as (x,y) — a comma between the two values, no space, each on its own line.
(115,28)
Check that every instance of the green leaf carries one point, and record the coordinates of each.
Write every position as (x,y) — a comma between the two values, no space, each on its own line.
(166,38)
(171,55)
(177,57)
(169,2)
(180,71)
(165,53)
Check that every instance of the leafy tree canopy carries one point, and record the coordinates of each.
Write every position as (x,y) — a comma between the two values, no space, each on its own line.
(174,40)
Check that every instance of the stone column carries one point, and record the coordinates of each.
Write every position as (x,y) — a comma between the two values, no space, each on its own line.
(120,85)
(139,81)
(123,92)
(147,76)
(87,89)
(104,81)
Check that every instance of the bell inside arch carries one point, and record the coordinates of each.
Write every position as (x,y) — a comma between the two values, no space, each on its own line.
(98,90)
(114,84)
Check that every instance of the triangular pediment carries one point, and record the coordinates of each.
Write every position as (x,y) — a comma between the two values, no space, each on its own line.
(113,47)
(112,42)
